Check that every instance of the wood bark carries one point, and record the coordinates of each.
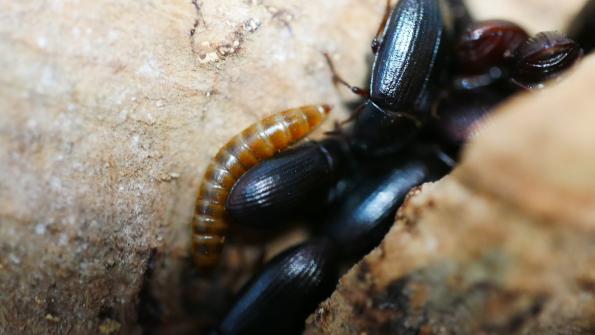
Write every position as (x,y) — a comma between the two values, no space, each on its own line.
(109,113)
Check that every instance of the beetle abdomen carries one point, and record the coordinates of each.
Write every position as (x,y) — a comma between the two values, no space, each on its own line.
(363,218)
(256,143)
(289,185)
(277,300)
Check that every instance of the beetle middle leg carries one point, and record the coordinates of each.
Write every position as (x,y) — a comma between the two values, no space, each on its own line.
(337,79)
(377,40)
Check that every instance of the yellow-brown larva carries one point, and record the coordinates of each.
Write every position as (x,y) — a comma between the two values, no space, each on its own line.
(254,144)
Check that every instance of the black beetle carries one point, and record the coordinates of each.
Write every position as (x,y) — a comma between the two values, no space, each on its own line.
(297,182)
(544,57)
(362,219)
(410,58)
(279,298)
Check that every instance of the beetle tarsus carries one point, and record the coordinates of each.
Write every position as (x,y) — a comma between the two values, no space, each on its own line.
(378,39)
(337,79)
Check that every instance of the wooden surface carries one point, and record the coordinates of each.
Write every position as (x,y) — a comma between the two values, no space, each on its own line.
(109,112)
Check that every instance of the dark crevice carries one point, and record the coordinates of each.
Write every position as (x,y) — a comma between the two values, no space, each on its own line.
(149,309)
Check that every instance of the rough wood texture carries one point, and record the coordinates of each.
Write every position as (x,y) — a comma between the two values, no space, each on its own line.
(109,113)
(503,245)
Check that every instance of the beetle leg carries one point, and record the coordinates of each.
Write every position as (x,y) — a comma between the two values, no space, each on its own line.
(436,104)
(354,115)
(377,39)
(337,79)
(336,131)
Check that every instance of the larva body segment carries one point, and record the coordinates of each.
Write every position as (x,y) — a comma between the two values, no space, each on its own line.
(254,144)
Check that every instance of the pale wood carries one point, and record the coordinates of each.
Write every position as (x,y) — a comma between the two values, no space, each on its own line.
(109,112)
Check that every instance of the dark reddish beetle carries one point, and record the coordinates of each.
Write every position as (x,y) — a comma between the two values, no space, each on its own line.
(544,57)
(487,44)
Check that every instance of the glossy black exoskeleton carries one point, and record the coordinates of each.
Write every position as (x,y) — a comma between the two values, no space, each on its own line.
(279,298)
(544,57)
(461,114)
(405,75)
(292,185)
(362,219)
(582,27)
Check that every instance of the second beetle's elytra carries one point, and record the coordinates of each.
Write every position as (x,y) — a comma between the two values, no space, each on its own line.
(298,182)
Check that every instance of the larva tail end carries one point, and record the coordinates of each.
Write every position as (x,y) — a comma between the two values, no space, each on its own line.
(206,251)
